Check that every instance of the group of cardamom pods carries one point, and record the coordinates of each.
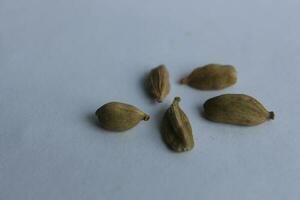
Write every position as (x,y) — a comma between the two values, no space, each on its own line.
(176,130)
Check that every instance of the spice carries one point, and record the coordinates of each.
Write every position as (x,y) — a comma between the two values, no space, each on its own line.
(211,77)
(176,129)
(158,83)
(117,116)
(236,109)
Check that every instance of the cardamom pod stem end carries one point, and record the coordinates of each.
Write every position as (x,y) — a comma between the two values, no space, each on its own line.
(146,117)
(184,80)
(160,100)
(177,99)
(271,115)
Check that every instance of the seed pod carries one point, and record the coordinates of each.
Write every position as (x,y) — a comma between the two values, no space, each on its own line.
(211,77)
(117,116)
(158,83)
(236,109)
(176,129)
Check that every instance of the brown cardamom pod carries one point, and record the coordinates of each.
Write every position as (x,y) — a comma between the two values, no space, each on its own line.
(158,83)
(211,77)
(236,109)
(176,129)
(117,116)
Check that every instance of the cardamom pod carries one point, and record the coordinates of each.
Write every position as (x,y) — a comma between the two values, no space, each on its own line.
(176,129)
(236,109)
(211,77)
(158,83)
(117,116)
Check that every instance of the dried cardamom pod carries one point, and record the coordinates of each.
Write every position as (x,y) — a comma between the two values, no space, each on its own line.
(211,77)
(236,109)
(176,129)
(117,116)
(158,83)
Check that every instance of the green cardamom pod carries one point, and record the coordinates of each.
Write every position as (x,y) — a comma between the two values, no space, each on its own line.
(176,129)
(236,109)
(158,83)
(211,77)
(117,116)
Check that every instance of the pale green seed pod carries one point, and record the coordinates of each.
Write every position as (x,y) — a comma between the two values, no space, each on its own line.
(176,129)
(115,116)
(237,109)
(211,77)
(158,83)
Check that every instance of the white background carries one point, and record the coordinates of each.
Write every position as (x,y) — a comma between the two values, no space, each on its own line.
(62,59)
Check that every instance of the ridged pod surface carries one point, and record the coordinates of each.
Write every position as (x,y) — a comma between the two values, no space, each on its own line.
(115,116)
(158,83)
(176,129)
(211,77)
(237,109)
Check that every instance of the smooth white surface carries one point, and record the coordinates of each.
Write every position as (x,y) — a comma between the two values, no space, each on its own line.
(61,59)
